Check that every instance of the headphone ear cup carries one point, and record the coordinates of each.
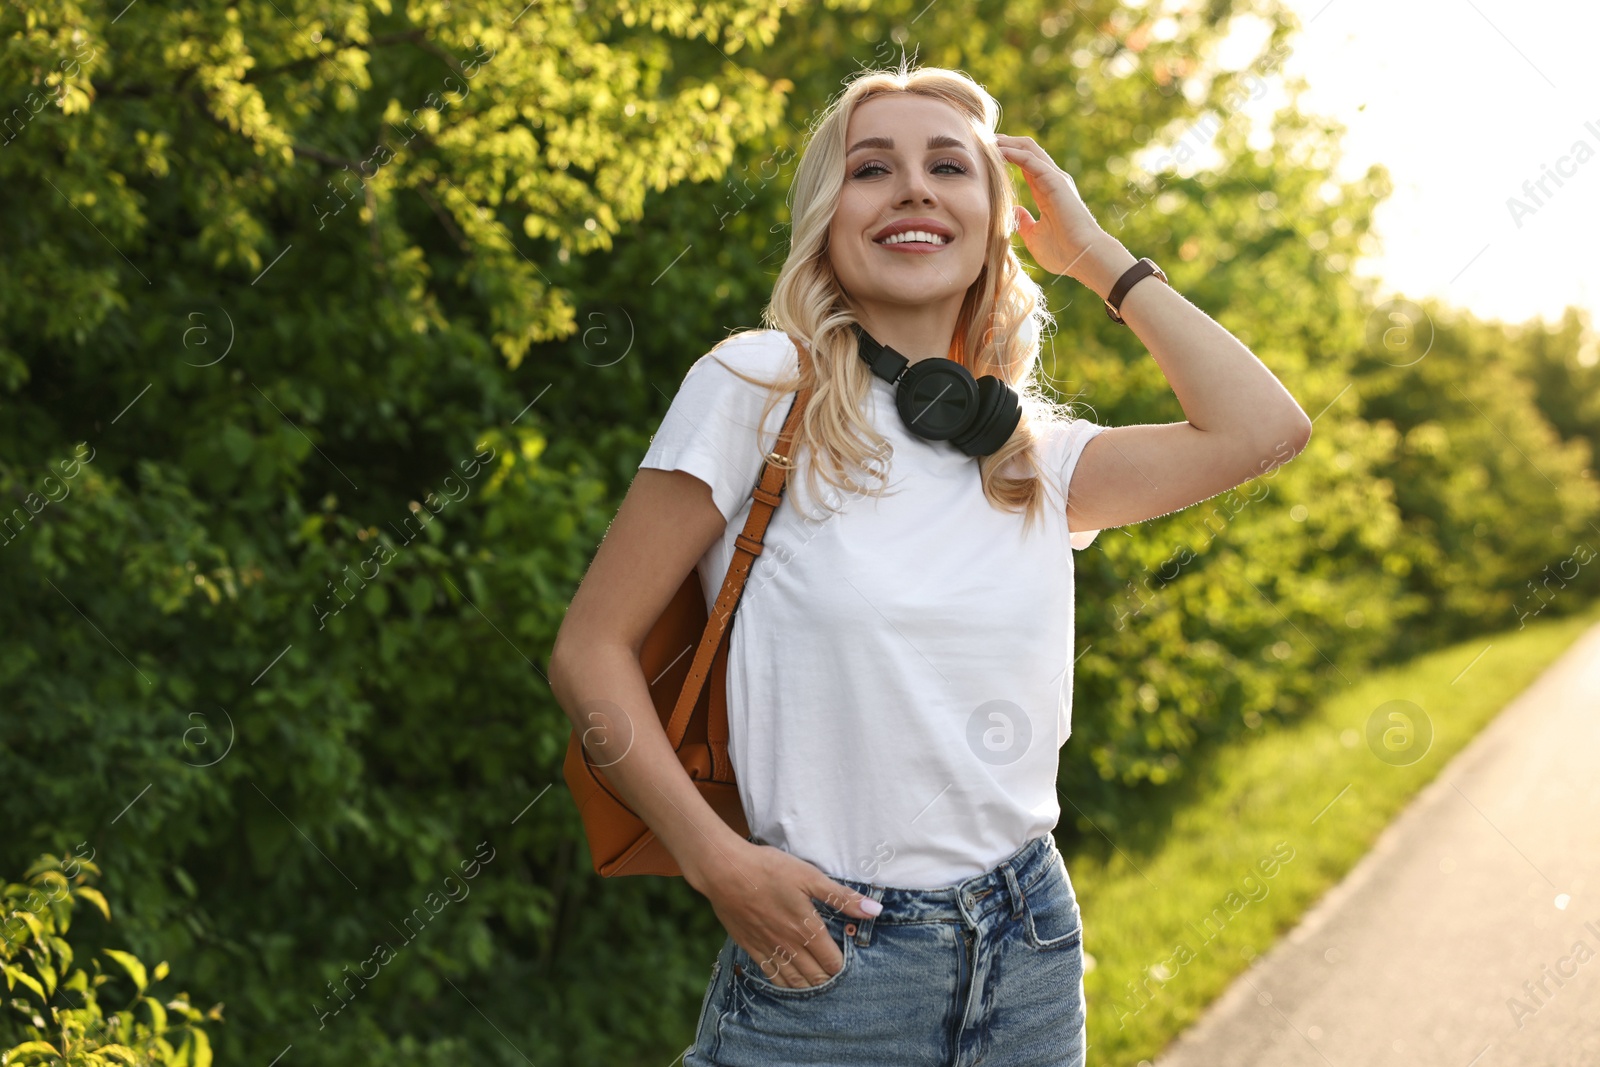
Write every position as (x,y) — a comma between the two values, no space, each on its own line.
(937,399)
(996,417)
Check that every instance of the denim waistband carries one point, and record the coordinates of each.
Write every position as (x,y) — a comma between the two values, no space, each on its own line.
(1000,887)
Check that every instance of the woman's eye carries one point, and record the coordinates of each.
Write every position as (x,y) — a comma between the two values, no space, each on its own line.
(861,171)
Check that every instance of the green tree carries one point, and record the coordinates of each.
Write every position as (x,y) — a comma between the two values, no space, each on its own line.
(63,1021)
(291,508)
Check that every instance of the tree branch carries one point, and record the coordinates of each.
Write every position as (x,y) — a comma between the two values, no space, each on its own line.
(323,157)
(338,46)
(435,49)
(176,88)
(444,217)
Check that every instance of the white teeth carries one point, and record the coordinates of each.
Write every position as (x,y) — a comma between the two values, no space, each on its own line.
(916,235)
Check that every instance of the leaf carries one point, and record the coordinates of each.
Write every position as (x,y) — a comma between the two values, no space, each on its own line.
(28,980)
(32,1048)
(131,964)
(48,973)
(419,595)
(181,1005)
(158,1015)
(45,862)
(195,1050)
(63,951)
(51,877)
(95,897)
(310,528)
(237,443)
(160,971)
(33,924)
(121,1052)
(202,1047)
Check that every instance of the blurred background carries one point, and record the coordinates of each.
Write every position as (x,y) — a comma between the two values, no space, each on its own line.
(332,333)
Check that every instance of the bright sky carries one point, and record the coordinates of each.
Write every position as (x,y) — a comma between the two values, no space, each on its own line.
(1465,100)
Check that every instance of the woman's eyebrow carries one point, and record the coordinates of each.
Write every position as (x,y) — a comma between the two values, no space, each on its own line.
(938,140)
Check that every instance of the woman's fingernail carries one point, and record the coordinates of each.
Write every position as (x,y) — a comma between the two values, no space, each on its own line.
(870,906)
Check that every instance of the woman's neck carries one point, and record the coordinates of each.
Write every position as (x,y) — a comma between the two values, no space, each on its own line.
(916,332)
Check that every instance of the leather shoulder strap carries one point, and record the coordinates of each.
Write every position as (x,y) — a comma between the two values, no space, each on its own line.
(768,493)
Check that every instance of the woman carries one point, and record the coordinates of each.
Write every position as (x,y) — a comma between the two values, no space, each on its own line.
(899,669)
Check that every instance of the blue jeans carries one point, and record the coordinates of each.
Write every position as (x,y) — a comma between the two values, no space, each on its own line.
(989,969)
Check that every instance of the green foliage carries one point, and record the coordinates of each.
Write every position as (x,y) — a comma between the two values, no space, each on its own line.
(1311,792)
(1494,491)
(330,339)
(53,1012)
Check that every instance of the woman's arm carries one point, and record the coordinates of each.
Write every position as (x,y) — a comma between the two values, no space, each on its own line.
(665,524)
(761,894)
(1241,423)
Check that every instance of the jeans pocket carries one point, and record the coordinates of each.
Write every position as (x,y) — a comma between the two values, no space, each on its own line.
(751,971)
(1050,911)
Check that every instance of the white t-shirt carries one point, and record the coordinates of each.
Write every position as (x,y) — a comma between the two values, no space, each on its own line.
(899,674)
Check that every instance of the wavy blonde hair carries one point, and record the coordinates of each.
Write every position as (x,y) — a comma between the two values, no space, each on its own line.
(997,332)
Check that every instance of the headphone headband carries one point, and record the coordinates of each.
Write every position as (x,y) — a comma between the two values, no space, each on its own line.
(884,361)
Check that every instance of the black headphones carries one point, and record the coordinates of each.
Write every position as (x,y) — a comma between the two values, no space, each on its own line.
(938,399)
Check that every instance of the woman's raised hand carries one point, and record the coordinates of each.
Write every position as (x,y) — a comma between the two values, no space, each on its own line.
(1065,229)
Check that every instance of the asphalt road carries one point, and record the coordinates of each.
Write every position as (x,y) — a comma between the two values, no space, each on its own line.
(1469,936)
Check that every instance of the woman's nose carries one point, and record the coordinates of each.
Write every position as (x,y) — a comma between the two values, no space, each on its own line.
(915,187)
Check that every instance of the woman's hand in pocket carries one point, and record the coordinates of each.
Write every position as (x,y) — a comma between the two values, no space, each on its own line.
(763,898)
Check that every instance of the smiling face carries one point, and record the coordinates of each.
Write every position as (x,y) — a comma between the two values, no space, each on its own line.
(910,158)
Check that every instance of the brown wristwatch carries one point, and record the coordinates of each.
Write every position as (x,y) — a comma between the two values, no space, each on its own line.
(1139,271)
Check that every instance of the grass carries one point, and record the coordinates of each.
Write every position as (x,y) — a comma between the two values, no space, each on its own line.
(1215,873)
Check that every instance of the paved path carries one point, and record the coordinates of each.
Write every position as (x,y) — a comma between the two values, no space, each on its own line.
(1448,944)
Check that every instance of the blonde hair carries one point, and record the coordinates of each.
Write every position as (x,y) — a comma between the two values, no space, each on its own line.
(997,332)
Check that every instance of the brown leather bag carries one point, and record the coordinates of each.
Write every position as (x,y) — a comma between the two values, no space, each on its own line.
(693,713)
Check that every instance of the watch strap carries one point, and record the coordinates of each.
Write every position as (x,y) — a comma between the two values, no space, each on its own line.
(1134,274)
